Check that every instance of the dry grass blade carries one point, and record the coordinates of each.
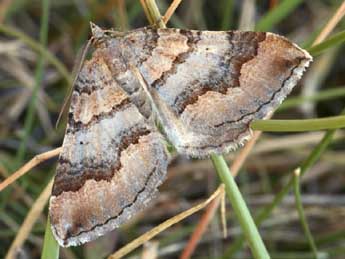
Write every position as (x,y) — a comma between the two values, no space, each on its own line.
(29,221)
(223,216)
(18,189)
(166,224)
(122,18)
(146,11)
(200,228)
(244,153)
(28,166)
(171,10)
(247,18)
(205,220)
(338,15)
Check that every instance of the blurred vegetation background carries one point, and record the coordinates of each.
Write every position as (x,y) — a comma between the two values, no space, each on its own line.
(37,53)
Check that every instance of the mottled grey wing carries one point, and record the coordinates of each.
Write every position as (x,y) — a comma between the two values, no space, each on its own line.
(111,163)
(208,86)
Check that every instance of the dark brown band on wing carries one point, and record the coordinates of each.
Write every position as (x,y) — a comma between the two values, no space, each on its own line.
(89,86)
(73,231)
(71,177)
(150,43)
(242,48)
(292,70)
(74,126)
(192,40)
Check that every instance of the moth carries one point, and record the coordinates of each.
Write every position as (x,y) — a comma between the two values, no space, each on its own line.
(205,87)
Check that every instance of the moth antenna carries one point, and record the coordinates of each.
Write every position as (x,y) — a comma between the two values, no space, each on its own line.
(75,72)
(155,111)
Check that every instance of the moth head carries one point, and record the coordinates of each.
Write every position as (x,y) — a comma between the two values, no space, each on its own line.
(99,36)
(97,32)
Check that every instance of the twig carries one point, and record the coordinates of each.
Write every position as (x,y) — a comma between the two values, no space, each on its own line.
(28,166)
(166,224)
(29,221)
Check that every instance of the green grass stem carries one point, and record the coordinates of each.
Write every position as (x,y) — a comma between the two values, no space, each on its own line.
(330,42)
(302,217)
(323,95)
(227,14)
(277,14)
(334,122)
(50,246)
(248,226)
(29,119)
